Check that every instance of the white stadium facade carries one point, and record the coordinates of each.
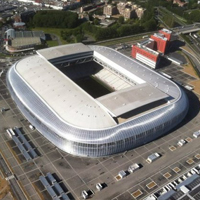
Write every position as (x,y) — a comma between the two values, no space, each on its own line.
(51,90)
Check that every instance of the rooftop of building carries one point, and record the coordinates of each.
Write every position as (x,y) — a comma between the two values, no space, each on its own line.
(160,35)
(21,42)
(20,39)
(147,45)
(166,30)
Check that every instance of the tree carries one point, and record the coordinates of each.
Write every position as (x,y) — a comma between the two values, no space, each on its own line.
(55,19)
(105,33)
(79,38)
(121,20)
(96,21)
(193,16)
(150,25)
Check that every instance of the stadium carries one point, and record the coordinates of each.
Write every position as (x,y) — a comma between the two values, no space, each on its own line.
(93,101)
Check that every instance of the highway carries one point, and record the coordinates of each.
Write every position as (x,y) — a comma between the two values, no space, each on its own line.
(18,193)
(187,28)
(194,59)
(183,28)
(5,170)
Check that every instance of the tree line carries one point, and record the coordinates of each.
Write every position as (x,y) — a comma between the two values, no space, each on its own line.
(119,29)
(74,28)
(54,19)
(193,16)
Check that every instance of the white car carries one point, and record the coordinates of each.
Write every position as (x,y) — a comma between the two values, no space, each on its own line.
(99,186)
(31,127)
(133,168)
(181,142)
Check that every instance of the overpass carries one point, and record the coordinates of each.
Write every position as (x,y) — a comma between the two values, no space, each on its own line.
(187,28)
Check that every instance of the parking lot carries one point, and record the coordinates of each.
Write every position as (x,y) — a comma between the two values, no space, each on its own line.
(79,174)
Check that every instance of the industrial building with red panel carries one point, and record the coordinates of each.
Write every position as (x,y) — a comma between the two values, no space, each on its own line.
(161,42)
(149,51)
(145,54)
(167,33)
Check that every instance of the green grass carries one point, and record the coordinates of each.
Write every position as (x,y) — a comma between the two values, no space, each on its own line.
(121,40)
(185,38)
(181,19)
(55,31)
(179,52)
(177,18)
(52,43)
(2,55)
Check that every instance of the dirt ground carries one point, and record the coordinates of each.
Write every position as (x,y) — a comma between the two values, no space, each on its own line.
(4,188)
(187,48)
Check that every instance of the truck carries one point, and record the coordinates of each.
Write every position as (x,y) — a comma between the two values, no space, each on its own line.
(195,36)
(196,134)
(145,36)
(188,87)
(132,168)
(84,194)
(181,142)
(153,157)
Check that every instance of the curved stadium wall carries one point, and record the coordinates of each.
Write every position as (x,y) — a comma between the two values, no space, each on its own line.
(95,143)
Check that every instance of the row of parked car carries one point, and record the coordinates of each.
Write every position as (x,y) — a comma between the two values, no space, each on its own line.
(86,194)
(173,184)
(182,142)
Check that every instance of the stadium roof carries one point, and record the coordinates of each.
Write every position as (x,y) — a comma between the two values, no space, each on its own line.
(62,51)
(75,106)
(123,101)
(62,95)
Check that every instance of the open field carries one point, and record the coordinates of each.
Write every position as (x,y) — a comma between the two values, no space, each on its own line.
(52,43)
(119,40)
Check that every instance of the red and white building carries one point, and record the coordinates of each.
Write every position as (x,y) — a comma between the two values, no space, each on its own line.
(149,51)
(145,54)
(167,33)
(161,42)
